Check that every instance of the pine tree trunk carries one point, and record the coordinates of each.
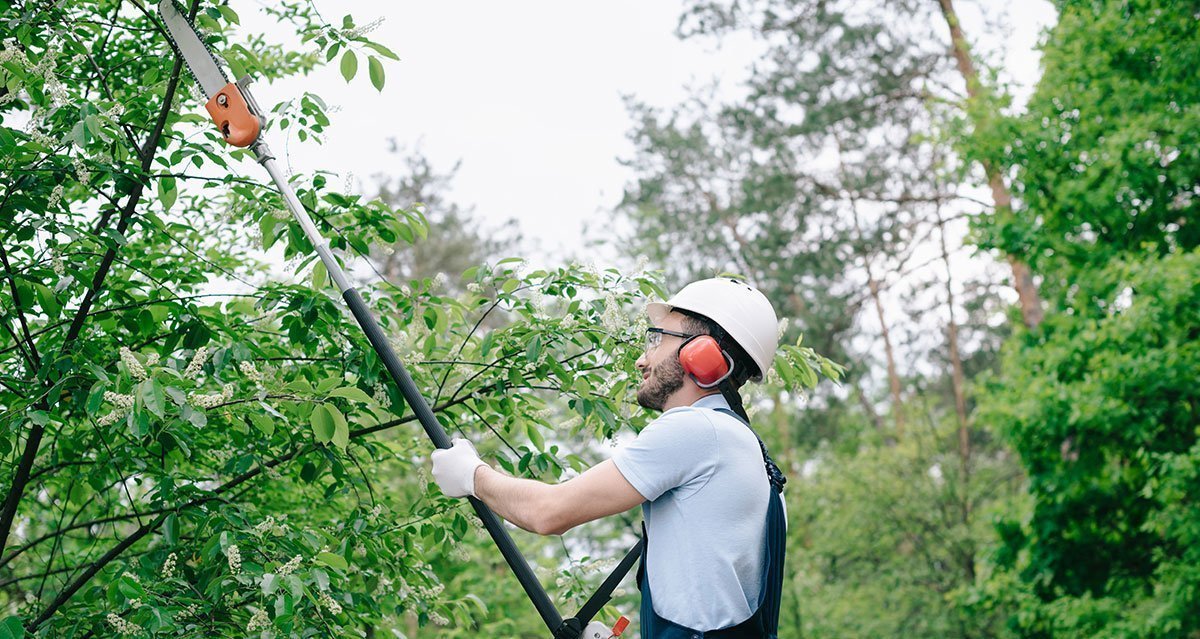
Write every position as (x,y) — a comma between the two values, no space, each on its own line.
(957,379)
(1027,292)
(889,352)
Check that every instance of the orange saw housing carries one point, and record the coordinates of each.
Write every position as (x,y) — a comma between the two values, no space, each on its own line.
(230,112)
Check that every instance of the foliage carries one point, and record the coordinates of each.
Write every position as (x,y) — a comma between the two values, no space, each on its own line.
(456,237)
(1107,155)
(1102,411)
(1100,404)
(198,445)
(884,529)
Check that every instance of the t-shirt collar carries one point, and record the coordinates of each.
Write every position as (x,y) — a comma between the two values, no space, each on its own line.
(716,400)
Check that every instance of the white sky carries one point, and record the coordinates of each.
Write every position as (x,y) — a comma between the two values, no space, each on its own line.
(528,95)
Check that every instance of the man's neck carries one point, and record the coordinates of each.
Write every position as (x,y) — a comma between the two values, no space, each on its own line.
(688,398)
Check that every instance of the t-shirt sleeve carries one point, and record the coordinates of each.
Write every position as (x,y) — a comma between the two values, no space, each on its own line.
(677,449)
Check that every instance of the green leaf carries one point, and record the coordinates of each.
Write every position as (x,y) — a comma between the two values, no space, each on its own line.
(319,276)
(322,424)
(375,69)
(510,285)
(167,192)
(153,398)
(12,628)
(351,393)
(263,423)
(332,560)
(341,430)
(171,529)
(229,14)
(535,436)
(349,65)
(270,583)
(382,50)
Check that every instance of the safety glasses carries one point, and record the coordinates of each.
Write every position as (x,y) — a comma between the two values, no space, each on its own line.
(654,336)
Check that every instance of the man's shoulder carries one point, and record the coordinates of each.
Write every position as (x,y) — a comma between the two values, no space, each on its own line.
(682,417)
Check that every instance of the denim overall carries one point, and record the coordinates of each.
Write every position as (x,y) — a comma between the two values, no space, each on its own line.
(764,623)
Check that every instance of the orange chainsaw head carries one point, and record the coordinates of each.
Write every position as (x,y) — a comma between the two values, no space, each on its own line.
(232,115)
(702,358)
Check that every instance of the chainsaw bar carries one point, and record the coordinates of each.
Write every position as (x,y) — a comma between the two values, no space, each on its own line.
(203,64)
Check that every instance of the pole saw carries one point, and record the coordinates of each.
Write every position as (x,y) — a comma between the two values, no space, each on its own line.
(240,121)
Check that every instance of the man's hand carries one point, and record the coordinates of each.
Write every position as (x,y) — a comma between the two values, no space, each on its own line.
(454,468)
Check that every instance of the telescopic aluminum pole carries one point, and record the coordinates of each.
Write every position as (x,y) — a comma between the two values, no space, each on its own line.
(408,388)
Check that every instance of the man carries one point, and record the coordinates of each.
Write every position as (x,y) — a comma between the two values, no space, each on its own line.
(713,558)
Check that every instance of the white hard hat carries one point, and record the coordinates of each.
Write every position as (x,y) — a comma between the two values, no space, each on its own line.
(739,309)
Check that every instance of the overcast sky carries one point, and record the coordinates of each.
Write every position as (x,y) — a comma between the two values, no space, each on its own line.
(528,95)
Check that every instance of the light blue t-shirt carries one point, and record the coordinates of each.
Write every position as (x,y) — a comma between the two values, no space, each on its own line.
(702,475)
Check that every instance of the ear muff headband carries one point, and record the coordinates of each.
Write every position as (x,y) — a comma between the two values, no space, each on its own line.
(702,358)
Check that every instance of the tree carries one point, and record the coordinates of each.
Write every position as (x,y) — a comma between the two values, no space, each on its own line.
(1100,403)
(192,447)
(456,239)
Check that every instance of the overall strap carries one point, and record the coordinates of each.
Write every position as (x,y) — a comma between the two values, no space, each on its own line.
(773,473)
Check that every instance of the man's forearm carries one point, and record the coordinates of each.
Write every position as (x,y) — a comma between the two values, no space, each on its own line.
(528,504)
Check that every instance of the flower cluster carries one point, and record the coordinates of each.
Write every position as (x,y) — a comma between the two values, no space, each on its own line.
(135,367)
(189,612)
(290,567)
(329,603)
(81,170)
(612,319)
(168,569)
(52,203)
(363,30)
(122,625)
(234,554)
(123,402)
(250,370)
(197,363)
(258,621)
(269,525)
(438,618)
(205,401)
(122,405)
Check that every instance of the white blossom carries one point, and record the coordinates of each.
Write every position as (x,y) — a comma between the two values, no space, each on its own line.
(438,618)
(135,367)
(258,621)
(112,417)
(124,402)
(122,625)
(612,319)
(205,401)
(363,30)
(329,603)
(168,569)
(197,363)
(53,201)
(234,554)
(290,567)
(250,370)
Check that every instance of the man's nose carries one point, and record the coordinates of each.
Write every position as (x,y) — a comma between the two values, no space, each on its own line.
(641,362)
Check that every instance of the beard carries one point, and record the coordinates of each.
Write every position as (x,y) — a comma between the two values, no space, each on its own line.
(664,380)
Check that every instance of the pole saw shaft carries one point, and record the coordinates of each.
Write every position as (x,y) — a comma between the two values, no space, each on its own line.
(408,388)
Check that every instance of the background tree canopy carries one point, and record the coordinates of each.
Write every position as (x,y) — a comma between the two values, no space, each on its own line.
(197,441)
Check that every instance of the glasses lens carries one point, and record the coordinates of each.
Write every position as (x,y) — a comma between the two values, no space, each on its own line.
(653,338)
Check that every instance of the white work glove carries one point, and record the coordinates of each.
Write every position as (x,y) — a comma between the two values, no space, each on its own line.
(454,468)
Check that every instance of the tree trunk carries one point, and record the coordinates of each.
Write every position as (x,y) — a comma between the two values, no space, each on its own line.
(889,352)
(960,407)
(1027,292)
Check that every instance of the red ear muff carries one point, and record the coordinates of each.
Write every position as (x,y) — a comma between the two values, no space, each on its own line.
(703,359)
